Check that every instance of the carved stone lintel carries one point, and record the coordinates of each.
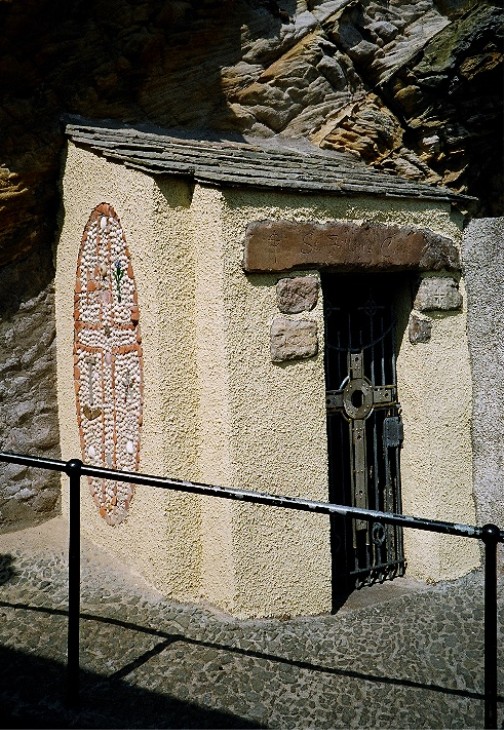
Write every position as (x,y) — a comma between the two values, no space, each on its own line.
(346,247)
(298,294)
(293,339)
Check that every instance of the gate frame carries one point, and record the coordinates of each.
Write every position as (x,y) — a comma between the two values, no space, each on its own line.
(380,396)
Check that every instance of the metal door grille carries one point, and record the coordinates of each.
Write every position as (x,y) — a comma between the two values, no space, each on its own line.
(364,426)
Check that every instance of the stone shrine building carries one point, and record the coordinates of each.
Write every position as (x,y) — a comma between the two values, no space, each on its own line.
(278,319)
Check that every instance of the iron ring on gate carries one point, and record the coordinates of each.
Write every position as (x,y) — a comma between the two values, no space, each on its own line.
(378,533)
(358,398)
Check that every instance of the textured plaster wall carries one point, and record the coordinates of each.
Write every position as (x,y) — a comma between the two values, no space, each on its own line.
(434,386)
(161,536)
(218,410)
(214,415)
(483,257)
(435,393)
(262,426)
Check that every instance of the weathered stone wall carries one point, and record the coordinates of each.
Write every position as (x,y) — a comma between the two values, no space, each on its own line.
(28,413)
(483,256)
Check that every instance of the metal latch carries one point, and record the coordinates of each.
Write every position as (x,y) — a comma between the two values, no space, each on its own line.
(393,432)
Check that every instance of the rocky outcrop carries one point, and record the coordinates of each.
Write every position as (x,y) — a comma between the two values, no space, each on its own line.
(408,86)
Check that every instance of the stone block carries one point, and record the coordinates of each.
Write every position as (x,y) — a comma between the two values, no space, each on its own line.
(384,29)
(346,247)
(298,294)
(363,51)
(438,293)
(293,339)
(419,328)
(439,253)
(24,410)
(13,472)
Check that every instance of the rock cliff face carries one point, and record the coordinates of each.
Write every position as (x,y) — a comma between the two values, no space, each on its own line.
(28,419)
(409,86)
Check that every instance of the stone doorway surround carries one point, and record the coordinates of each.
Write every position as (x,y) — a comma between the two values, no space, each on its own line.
(226,240)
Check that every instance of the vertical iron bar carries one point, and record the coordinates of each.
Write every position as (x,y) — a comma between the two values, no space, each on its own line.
(398,530)
(382,349)
(376,478)
(73,469)
(371,429)
(390,491)
(396,505)
(490,537)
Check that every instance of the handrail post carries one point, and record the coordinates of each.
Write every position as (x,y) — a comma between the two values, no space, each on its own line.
(490,536)
(73,469)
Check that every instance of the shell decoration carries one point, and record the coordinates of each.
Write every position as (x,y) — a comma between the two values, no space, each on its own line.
(108,367)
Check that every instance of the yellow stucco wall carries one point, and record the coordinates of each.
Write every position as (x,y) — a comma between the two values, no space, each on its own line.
(218,410)
(262,427)
(437,452)
(434,382)
(161,536)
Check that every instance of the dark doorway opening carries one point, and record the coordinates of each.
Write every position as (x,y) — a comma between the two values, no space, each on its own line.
(364,426)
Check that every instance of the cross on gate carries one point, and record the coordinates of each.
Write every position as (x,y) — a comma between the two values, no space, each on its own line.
(356,399)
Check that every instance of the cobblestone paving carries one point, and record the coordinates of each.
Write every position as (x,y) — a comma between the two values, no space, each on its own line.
(412,659)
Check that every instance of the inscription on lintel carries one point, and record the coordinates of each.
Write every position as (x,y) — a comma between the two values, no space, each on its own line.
(272,246)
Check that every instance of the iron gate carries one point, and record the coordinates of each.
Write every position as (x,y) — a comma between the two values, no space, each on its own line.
(364,426)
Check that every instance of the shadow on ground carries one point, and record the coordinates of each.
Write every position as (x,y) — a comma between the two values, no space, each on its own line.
(32,696)
(7,570)
(169,638)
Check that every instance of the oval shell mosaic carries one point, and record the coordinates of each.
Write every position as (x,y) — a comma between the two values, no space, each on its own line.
(108,372)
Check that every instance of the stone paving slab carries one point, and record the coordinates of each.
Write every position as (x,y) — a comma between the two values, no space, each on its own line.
(406,656)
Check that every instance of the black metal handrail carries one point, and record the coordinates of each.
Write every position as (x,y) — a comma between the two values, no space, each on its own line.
(489,534)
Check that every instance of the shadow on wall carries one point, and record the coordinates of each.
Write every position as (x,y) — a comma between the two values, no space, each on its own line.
(483,259)
(136,62)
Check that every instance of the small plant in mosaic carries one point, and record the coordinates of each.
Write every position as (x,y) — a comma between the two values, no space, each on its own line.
(118,273)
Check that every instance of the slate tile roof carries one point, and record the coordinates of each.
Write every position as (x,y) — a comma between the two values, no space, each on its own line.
(259,164)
